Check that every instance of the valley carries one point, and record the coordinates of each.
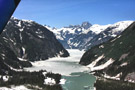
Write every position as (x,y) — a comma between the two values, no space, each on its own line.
(72,72)
(67,45)
(79,57)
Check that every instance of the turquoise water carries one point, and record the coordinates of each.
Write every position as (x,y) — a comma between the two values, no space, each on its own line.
(76,75)
(79,81)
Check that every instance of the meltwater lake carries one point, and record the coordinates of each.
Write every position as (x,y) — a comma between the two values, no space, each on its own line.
(76,76)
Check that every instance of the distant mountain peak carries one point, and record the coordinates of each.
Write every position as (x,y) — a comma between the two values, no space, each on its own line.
(87,35)
(86,25)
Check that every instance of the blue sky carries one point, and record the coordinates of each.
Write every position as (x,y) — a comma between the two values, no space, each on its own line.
(59,13)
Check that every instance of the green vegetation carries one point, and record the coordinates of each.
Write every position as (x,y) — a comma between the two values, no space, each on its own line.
(106,84)
(121,49)
(32,79)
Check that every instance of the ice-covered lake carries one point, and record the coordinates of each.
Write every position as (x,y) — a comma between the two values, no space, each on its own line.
(76,75)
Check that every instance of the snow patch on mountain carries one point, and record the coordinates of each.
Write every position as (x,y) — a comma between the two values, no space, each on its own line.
(130,77)
(49,81)
(117,77)
(86,35)
(95,62)
(5,78)
(19,24)
(96,28)
(21,87)
(103,66)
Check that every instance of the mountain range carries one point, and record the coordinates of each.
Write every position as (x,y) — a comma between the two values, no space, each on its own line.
(109,48)
(115,58)
(86,35)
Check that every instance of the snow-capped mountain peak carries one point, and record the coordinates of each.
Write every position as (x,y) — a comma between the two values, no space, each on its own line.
(87,35)
(117,27)
(70,31)
(86,25)
(122,25)
(96,28)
